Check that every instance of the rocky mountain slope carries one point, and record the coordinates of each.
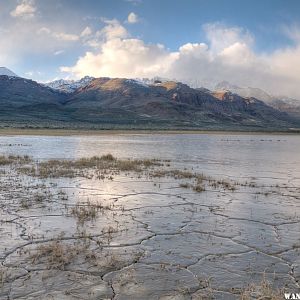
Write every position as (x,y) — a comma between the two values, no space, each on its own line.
(282,103)
(127,103)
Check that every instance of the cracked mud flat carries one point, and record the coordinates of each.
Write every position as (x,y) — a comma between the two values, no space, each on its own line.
(149,233)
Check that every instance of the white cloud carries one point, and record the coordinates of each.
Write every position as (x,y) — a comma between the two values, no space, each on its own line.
(58,52)
(44,30)
(238,54)
(132,18)
(292,32)
(112,30)
(116,59)
(221,37)
(228,55)
(26,10)
(68,37)
(33,73)
(87,31)
(119,55)
(134,2)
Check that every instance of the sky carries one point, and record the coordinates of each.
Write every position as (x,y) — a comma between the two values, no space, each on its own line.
(247,43)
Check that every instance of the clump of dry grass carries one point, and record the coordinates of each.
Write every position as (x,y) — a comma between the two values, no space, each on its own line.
(106,165)
(28,170)
(88,211)
(57,255)
(40,197)
(108,233)
(264,290)
(85,213)
(177,174)
(199,181)
(108,157)
(14,159)
(185,185)
(225,184)
(199,188)
(2,275)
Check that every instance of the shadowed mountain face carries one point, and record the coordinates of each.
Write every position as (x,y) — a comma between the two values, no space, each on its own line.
(125,103)
(19,92)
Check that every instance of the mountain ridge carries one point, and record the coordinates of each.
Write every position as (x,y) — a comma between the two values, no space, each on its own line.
(6,72)
(69,86)
(107,103)
(282,103)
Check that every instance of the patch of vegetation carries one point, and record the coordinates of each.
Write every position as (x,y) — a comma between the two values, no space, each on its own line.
(56,254)
(199,181)
(263,290)
(2,275)
(40,197)
(84,213)
(14,159)
(106,164)
(185,185)
(199,188)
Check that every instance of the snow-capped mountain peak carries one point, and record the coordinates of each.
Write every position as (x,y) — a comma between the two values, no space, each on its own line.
(247,92)
(69,86)
(6,72)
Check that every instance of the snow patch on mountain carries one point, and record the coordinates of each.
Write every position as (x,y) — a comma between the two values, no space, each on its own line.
(246,92)
(280,102)
(6,72)
(69,86)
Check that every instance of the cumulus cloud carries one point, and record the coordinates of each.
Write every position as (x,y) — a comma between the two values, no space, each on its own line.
(26,10)
(132,18)
(116,59)
(112,30)
(227,55)
(221,37)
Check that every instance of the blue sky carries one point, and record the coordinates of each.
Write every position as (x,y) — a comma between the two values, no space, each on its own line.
(201,40)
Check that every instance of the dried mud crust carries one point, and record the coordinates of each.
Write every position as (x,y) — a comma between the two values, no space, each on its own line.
(105,228)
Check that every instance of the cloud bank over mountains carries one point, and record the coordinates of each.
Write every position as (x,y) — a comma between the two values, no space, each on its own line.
(228,55)
(109,49)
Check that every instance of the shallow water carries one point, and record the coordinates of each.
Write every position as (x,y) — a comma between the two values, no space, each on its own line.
(233,154)
(194,245)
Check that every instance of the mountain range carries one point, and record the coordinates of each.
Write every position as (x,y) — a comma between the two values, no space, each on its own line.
(282,103)
(120,103)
